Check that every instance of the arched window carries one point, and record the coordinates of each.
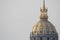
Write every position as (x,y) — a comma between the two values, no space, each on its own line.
(31,38)
(34,38)
(40,38)
(41,31)
(53,38)
(48,38)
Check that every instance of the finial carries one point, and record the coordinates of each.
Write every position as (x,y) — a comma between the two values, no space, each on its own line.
(43,4)
(43,11)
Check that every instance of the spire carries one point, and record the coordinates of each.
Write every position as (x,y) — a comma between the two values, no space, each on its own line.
(43,4)
(43,11)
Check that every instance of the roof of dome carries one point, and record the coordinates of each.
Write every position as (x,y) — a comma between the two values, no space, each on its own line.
(44,27)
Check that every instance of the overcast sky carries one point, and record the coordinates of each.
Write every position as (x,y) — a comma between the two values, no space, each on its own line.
(17,17)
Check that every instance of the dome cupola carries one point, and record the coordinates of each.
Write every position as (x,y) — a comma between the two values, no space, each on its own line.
(43,29)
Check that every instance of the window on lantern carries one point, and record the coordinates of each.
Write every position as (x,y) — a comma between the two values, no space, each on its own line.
(53,38)
(34,38)
(40,38)
(41,31)
(48,38)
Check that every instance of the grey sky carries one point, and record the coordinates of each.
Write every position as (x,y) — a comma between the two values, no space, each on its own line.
(17,17)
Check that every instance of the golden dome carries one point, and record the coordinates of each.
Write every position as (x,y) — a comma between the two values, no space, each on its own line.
(44,26)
